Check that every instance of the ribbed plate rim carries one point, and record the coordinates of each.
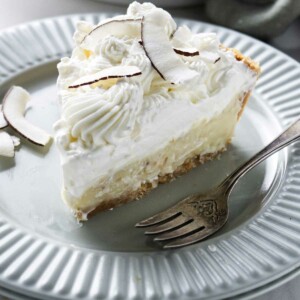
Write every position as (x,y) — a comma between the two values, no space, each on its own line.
(39,243)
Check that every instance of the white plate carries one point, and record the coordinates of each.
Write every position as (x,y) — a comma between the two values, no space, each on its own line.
(45,254)
(246,296)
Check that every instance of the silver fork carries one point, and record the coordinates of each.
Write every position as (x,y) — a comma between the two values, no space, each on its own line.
(199,216)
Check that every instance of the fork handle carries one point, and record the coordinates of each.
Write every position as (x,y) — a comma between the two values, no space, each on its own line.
(290,135)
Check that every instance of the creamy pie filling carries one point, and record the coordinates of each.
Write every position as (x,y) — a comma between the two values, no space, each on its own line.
(115,137)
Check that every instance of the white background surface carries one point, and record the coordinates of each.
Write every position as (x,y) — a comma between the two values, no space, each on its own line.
(14,12)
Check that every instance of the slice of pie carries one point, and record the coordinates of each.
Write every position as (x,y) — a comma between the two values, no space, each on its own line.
(143,101)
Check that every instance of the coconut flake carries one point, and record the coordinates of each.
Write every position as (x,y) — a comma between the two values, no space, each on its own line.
(159,50)
(14,106)
(183,36)
(186,51)
(7,147)
(3,122)
(109,73)
(116,27)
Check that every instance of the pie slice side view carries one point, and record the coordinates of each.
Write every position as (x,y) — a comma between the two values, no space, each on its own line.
(169,101)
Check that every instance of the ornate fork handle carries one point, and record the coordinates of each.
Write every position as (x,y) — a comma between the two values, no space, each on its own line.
(199,216)
(290,135)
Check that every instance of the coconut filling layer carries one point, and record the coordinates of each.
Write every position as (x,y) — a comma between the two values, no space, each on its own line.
(205,137)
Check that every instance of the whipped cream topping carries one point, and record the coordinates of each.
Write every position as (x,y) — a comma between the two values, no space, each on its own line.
(105,117)
(140,113)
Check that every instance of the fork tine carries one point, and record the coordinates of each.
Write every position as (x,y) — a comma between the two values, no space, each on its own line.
(190,239)
(171,225)
(158,218)
(184,230)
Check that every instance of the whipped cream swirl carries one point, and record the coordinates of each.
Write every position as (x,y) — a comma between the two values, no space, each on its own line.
(103,117)
(112,48)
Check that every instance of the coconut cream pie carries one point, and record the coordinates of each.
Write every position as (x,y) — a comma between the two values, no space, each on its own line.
(143,101)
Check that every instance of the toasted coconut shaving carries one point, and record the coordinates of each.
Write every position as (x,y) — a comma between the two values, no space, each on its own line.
(186,51)
(14,106)
(117,27)
(159,50)
(107,74)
